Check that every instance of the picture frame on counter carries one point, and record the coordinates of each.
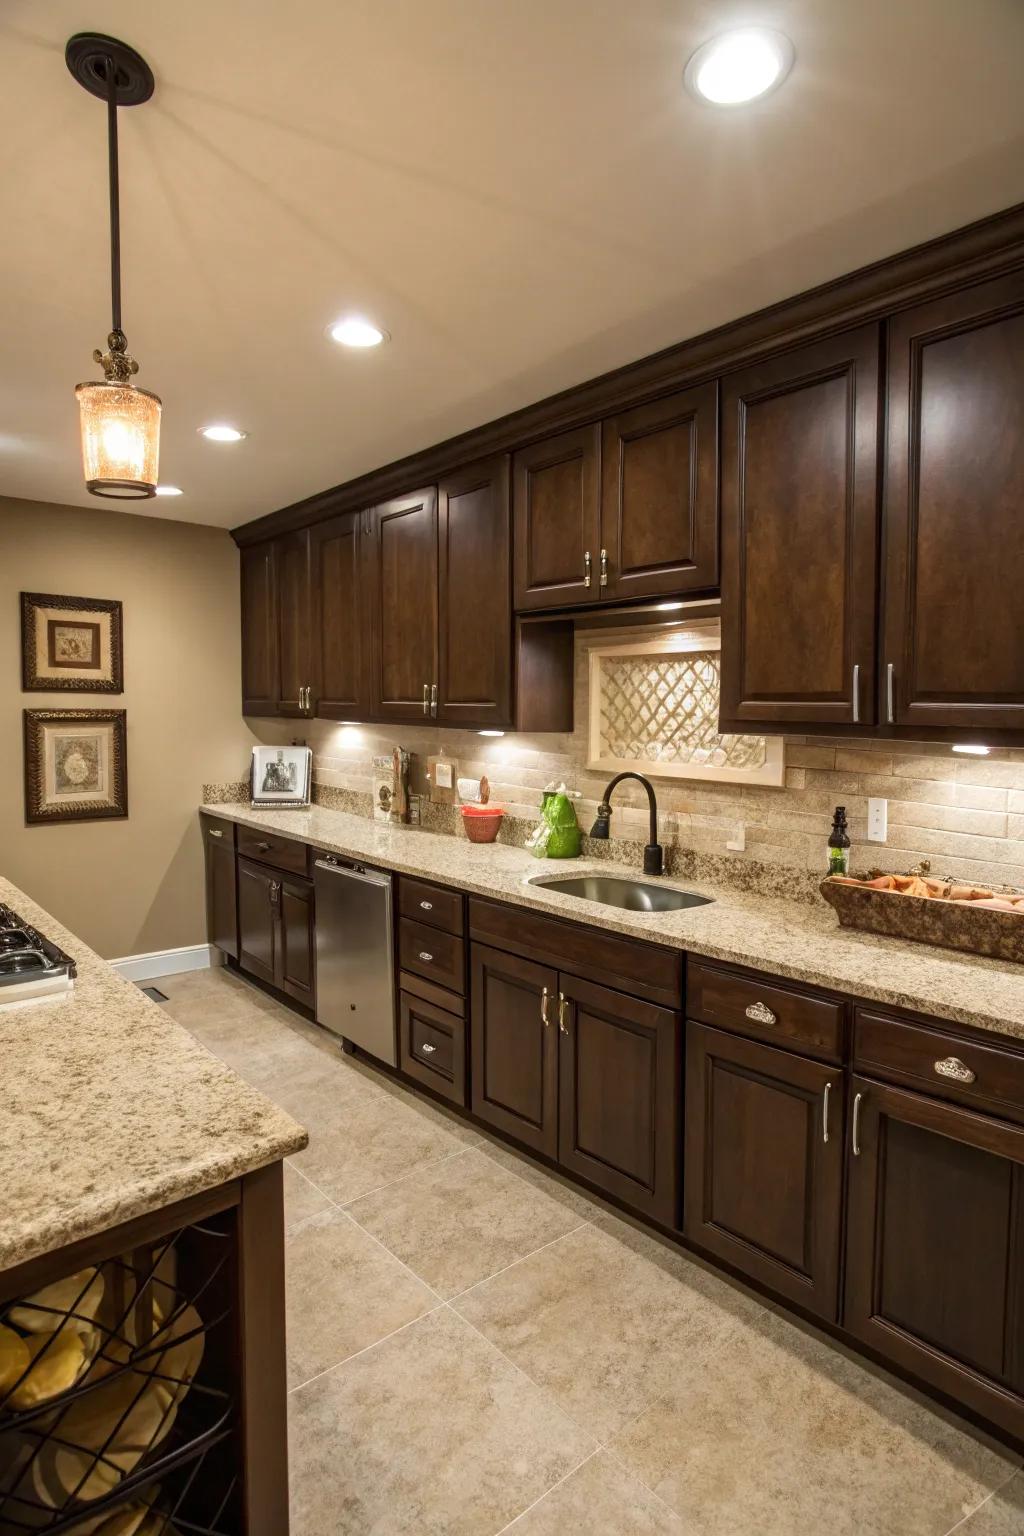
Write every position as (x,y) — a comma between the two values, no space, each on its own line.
(281,776)
(76,765)
(71,643)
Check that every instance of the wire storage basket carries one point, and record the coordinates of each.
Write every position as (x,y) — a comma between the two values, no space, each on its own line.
(117,1395)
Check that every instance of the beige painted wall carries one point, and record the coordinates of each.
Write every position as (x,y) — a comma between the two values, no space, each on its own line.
(127,887)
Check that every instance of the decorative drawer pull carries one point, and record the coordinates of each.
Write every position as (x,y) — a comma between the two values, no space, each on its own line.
(426,955)
(760,1013)
(544,1018)
(959,1071)
(428,1050)
(563,1008)
(215,832)
(428,906)
(264,847)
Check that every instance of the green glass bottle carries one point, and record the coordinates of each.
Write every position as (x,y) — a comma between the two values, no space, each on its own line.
(839,844)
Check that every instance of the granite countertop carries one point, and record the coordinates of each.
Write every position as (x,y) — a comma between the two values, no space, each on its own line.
(794,939)
(110,1110)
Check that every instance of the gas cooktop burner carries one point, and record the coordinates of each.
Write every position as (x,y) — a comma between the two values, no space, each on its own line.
(26,956)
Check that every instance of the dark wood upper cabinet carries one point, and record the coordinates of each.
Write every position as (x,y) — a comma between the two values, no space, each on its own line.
(475,596)
(403,606)
(953,651)
(935,1246)
(659,497)
(619,1082)
(763,1162)
(514,1047)
(259,630)
(294,605)
(800,457)
(556,502)
(340,628)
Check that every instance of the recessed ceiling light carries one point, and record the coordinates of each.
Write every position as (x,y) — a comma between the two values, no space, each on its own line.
(169,490)
(356,331)
(220,432)
(970,749)
(739,66)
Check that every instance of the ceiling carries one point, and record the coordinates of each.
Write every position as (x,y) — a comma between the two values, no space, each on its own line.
(520,192)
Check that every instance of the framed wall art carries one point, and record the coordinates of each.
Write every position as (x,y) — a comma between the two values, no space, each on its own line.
(281,776)
(71,643)
(76,765)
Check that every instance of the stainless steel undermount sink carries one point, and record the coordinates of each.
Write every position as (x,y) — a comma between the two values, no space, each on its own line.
(631,895)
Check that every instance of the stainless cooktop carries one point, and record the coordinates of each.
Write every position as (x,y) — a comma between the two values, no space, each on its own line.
(25,955)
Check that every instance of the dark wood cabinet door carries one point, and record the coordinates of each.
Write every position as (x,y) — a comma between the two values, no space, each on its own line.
(294,602)
(800,453)
(403,606)
(556,505)
(514,1047)
(954,568)
(762,1184)
(296,949)
(259,631)
(935,1245)
(475,596)
(221,889)
(258,894)
(619,1095)
(340,622)
(659,497)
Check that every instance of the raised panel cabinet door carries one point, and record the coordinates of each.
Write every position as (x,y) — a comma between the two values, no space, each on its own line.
(556,514)
(800,454)
(340,629)
(259,630)
(258,894)
(659,497)
(619,1093)
(221,893)
(403,606)
(953,650)
(296,954)
(514,1047)
(294,601)
(935,1245)
(475,596)
(763,1164)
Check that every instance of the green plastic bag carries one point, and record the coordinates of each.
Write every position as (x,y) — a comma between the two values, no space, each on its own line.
(557,835)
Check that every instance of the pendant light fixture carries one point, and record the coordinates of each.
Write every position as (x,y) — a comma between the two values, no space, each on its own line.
(120,423)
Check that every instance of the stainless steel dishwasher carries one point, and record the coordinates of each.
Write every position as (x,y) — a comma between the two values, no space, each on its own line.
(355,979)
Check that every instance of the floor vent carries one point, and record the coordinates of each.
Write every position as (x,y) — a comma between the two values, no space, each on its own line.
(155,994)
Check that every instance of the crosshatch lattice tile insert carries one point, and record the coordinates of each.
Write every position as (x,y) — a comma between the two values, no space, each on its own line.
(664,709)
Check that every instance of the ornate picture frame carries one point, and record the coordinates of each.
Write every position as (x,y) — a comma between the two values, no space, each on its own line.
(71,643)
(76,765)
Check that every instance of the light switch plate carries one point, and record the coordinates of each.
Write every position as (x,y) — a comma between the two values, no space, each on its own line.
(878,821)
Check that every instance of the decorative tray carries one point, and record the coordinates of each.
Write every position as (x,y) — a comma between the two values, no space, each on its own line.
(955,915)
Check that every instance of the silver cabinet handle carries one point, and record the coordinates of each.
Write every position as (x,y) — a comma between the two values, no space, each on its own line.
(890,694)
(855,1133)
(427,1049)
(426,698)
(306,691)
(216,832)
(604,567)
(856,694)
(760,1013)
(544,1018)
(433,699)
(426,955)
(953,1067)
(586,568)
(563,1007)
(427,906)
(824,1112)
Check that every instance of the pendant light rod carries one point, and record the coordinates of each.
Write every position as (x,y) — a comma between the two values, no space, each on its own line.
(115,197)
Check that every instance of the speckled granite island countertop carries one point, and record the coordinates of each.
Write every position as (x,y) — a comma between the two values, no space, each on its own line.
(783,938)
(110,1110)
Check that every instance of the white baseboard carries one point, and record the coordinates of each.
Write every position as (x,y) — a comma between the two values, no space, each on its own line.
(167,962)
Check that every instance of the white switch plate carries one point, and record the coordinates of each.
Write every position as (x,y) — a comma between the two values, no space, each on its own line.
(878,821)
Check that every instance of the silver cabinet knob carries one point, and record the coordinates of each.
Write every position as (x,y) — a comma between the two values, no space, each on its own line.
(760,1013)
(428,906)
(952,1067)
(427,1049)
(426,955)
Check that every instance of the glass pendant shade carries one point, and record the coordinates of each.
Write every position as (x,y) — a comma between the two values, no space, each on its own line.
(120,439)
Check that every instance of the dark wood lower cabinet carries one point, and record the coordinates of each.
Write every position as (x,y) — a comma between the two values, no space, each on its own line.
(763,1164)
(221,886)
(935,1246)
(514,1047)
(257,924)
(276,933)
(297,974)
(432,1046)
(619,1079)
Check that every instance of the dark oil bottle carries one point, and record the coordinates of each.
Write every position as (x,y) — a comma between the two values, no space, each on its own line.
(839,844)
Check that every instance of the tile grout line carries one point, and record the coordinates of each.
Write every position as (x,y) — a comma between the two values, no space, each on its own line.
(519,1260)
(962,1522)
(523,1512)
(365,1349)
(412,1173)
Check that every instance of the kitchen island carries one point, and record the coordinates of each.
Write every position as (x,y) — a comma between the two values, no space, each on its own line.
(141,1269)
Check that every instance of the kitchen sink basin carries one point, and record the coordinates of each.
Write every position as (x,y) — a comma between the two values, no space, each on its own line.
(632,895)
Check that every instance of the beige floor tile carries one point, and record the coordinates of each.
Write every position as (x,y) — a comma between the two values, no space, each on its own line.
(558,1189)
(462,1219)
(605,1329)
(784,1435)
(343,1294)
(1001,1515)
(302,1200)
(599,1499)
(431,1432)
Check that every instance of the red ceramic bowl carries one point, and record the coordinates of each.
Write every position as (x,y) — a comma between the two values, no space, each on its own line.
(482,822)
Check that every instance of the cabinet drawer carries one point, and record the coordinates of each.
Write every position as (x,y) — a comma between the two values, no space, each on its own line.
(432,1047)
(271,848)
(429,952)
(218,830)
(749,1006)
(434,904)
(644,970)
(977,1075)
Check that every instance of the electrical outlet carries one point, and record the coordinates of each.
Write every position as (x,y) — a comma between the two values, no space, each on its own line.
(878,821)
